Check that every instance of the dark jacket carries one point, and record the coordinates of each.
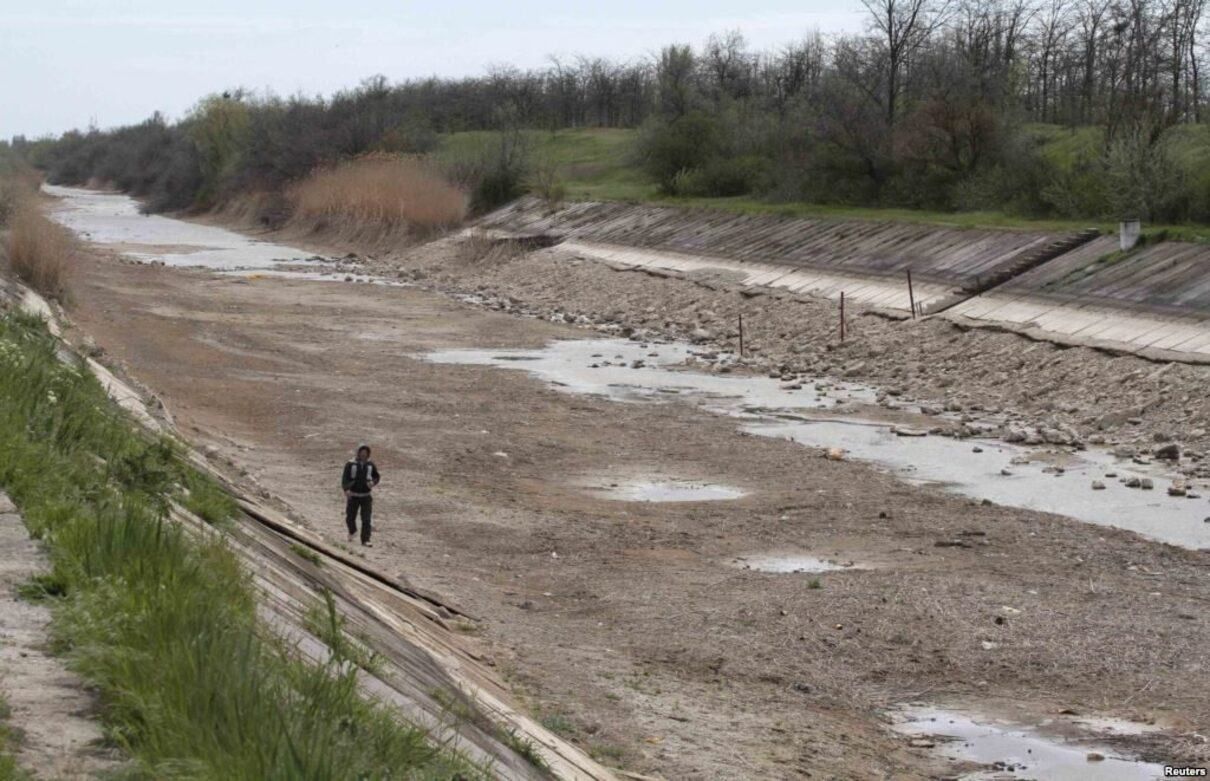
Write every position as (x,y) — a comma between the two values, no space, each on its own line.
(359,478)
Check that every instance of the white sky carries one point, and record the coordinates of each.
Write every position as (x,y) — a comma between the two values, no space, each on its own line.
(66,63)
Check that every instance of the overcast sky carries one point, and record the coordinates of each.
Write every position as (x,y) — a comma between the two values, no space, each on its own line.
(66,63)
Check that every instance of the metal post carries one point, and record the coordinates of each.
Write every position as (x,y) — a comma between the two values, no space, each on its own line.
(741,335)
(911,295)
(842,315)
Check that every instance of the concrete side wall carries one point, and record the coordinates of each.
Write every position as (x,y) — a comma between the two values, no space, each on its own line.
(1152,301)
(946,256)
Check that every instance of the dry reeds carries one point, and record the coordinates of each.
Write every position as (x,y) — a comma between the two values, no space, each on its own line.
(40,252)
(378,192)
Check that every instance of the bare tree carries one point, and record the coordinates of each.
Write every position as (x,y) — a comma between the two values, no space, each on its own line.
(901,28)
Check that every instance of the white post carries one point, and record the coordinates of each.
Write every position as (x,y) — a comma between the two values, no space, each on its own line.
(1128,233)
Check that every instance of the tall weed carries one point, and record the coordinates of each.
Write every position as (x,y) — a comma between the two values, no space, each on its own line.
(39,251)
(381,190)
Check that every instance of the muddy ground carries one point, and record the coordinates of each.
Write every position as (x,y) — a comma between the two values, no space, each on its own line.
(622,624)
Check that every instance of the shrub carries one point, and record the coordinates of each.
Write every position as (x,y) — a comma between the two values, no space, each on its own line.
(722,178)
(10,196)
(687,143)
(495,170)
(40,252)
(386,191)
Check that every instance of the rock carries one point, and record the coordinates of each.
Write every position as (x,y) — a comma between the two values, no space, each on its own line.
(1168,452)
(1146,484)
(1133,482)
(701,335)
(1094,756)
(1097,485)
(1053,436)
(904,431)
(834,454)
(976,449)
(921,743)
(1015,434)
(1178,488)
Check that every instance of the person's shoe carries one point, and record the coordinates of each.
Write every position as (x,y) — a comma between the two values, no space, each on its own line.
(352,537)
(368,544)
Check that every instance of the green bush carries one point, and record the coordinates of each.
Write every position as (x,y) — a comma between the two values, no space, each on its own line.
(494,168)
(722,178)
(668,149)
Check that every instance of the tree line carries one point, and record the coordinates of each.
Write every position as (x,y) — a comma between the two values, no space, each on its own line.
(1074,108)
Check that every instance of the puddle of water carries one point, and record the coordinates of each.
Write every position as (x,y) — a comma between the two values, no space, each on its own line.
(113,218)
(632,372)
(667,491)
(788,564)
(1022,752)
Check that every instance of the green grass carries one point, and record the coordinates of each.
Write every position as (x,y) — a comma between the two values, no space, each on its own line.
(161,622)
(594,163)
(326,623)
(9,769)
(597,164)
(307,554)
(207,500)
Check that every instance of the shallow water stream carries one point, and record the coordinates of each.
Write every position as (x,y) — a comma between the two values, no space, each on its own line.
(628,371)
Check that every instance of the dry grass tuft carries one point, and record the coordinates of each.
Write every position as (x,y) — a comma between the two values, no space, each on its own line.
(15,189)
(40,251)
(380,192)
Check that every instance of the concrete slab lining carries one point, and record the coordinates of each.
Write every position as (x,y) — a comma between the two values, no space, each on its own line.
(1074,289)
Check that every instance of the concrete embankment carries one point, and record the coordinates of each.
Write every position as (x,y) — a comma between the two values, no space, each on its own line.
(1153,301)
(1072,288)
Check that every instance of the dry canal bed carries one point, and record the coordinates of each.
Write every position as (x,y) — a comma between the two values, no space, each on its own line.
(624,623)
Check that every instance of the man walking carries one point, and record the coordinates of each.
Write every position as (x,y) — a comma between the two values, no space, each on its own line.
(358,481)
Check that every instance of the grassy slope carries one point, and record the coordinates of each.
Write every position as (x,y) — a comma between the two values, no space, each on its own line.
(164,624)
(597,164)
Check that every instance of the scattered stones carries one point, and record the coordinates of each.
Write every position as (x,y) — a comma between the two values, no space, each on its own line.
(1168,452)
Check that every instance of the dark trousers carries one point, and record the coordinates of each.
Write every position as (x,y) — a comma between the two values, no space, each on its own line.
(366,505)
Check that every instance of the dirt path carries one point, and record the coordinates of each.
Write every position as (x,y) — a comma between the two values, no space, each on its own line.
(51,711)
(622,621)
